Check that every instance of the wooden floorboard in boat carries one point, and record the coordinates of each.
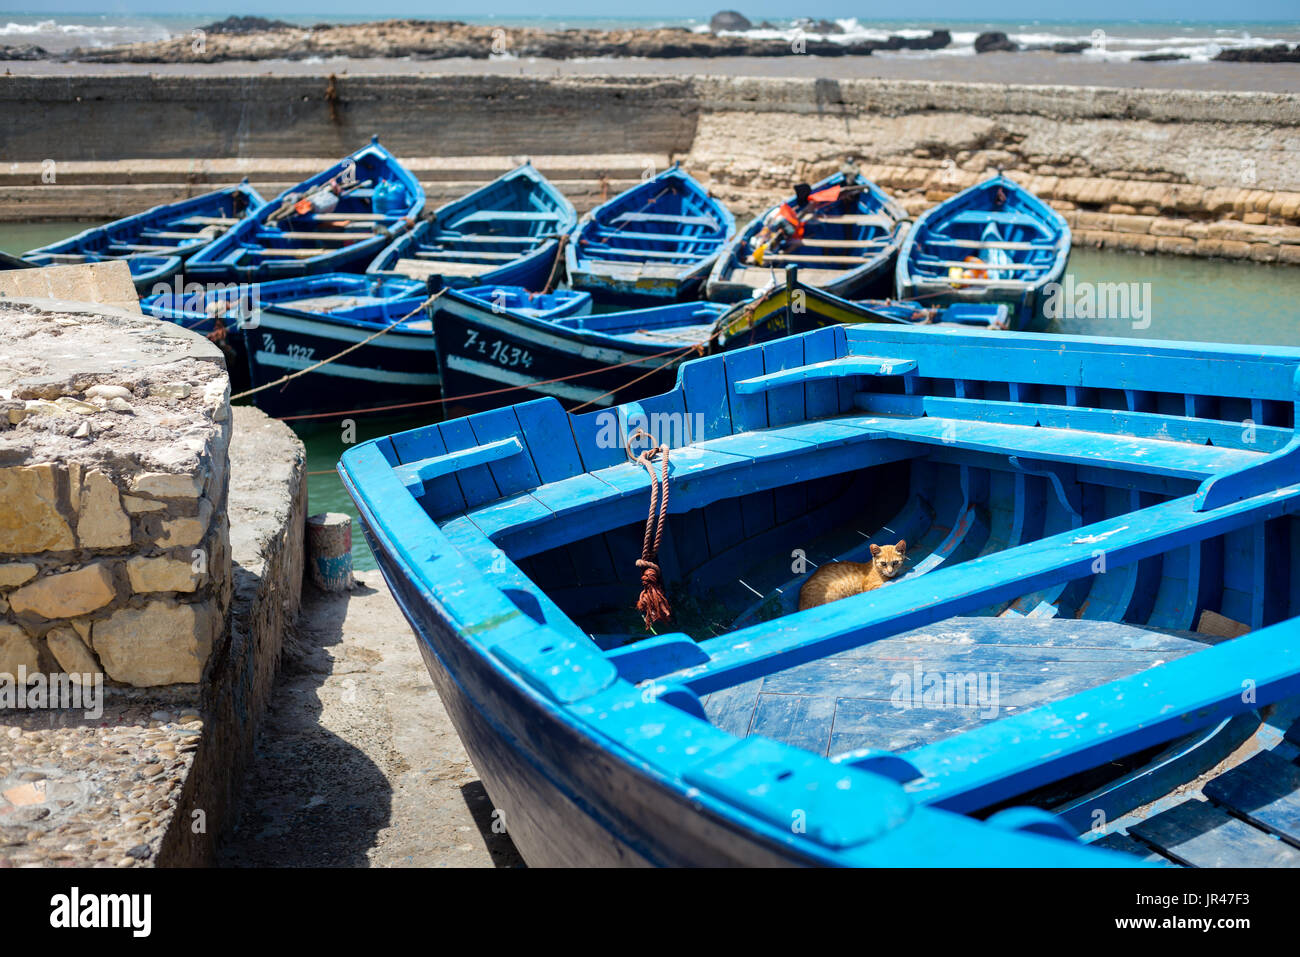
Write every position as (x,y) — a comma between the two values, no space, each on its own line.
(1198,834)
(1265,791)
(875,696)
(1127,845)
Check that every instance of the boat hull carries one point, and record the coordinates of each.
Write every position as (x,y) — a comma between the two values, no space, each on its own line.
(398,367)
(480,351)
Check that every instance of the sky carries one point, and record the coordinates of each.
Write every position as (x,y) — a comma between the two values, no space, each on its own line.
(1214,10)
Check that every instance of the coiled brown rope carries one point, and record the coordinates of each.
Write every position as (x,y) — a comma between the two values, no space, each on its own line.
(653,603)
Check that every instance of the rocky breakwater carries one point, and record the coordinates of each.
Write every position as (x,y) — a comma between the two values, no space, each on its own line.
(439,40)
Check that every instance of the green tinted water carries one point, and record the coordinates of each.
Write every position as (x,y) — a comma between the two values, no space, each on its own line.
(1177,298)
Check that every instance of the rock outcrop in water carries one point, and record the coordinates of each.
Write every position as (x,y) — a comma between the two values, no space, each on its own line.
(995,42)
(28,51)
(238,26)
(440,40)
(1280,53)
(729,20)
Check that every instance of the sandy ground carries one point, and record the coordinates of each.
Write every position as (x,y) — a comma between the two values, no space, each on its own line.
(358,764)
(1033,68)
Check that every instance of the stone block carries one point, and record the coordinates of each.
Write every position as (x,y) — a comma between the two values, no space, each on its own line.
(30,519)
(66,594)
(15,573)
(163,573)
(187,530)
(162,643)
(17,649)
(101,523)
(71,652)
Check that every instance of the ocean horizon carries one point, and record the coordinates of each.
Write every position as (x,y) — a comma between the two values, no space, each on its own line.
(1197,40)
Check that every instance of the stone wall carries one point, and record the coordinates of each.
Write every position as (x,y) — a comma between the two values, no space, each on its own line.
(114,541)
(1166,171)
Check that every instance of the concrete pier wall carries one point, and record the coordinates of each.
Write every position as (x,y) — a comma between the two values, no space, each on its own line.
(1204,173)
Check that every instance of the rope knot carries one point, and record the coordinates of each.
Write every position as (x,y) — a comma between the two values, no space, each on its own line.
(653,603)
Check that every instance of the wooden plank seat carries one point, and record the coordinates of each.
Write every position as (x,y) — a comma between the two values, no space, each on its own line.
(453,237)
(504,216)
(1004,217)
(465,254)
(1150,456)
(676,219)
(1052,742)
(843,243)
(168,234)
(307,236)
(935,239)
(990,267)
(857,219)
(591,251)
(207,221)
(422,268)
(141,248)
(659,237)
(850,701)
(814,258)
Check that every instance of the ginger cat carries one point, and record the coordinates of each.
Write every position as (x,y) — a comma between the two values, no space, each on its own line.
(842,579)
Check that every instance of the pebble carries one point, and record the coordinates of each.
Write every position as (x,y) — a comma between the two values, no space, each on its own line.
(108,392)
(120,405)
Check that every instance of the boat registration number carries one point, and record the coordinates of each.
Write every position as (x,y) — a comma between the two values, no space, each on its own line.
(292,350)
(499,352)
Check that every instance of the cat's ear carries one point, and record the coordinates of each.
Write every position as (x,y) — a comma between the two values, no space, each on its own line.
(875,549)
(901,546)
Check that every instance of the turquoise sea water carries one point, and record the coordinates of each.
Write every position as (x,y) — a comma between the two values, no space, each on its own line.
(1181,299)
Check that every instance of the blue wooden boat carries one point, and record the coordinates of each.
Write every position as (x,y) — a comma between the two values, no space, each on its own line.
(656,242)
(270,329)
(1098,627)
(158,241)
(335,221)
(507,232)
(984,315)
(994,242)
(844,235)
(487,344)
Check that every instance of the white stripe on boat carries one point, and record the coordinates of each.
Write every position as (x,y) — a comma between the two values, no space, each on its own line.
(278,361)
(493,373)
(394,339)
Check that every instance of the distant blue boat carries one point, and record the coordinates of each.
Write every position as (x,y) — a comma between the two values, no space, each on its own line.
(994,242)
(507,232)
(1100,560)
(158,241)
(843,235)
(503,345)
(273,328)
(656,242)
(335,221)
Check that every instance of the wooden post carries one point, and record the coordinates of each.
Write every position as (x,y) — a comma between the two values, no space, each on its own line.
(329,551)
